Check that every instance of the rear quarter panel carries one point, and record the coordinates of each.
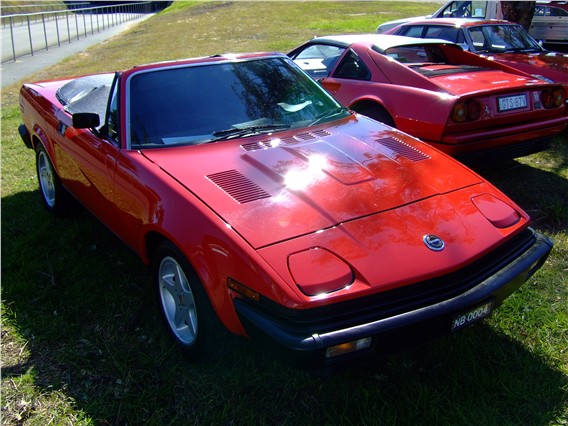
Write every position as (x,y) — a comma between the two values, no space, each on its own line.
(38,114)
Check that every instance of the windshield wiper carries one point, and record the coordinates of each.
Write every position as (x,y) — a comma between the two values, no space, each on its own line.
(241,132)
(523,50)
(327,114)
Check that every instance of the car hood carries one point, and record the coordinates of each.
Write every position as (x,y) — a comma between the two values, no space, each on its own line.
(273,188)
(551,65)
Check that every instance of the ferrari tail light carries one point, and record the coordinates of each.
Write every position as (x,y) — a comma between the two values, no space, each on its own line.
(466,111)
(459,113)
(473,110)
(552,98)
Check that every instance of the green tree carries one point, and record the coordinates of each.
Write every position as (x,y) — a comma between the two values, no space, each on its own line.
(520,12)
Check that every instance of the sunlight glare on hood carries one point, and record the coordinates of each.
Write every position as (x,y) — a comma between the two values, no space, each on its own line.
(301,179)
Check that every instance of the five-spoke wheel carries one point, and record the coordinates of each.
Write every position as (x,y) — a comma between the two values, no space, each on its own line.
(185,306)
(54,195)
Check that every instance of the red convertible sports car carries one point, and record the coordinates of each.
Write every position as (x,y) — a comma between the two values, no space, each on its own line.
(500,41)
(461,103)
(269,210)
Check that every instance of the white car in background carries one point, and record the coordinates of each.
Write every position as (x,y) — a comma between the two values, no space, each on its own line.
(453,9)
(549,24)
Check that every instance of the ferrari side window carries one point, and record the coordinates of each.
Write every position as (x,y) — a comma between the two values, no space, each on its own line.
(352,67)
(319,59)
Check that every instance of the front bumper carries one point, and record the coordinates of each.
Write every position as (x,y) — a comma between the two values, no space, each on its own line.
(397,319)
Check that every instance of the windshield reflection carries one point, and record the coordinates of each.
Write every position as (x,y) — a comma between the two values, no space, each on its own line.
(211,102)
(502,38)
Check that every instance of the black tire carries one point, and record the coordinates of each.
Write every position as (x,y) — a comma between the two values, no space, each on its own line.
(379,114)
(185,308)
(55,197)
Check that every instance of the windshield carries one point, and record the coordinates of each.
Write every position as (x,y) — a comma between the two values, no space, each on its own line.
(218,101)
(502,38)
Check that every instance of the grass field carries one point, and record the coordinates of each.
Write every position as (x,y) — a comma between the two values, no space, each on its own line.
(81,340)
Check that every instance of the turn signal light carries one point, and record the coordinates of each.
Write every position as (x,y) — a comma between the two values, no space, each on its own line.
(466,111)
(242,289)
(552,98)
(345,348)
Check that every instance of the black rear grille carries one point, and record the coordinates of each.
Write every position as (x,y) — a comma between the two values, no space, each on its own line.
(462,69)
(393,302)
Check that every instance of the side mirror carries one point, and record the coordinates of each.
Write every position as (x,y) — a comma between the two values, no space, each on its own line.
(86,120)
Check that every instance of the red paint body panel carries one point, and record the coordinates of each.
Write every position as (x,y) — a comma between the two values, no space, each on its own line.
(420,99)
(312,185)
(350,194)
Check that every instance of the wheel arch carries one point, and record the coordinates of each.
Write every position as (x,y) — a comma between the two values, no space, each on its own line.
(216,290)
(36,141)
(373,104)
(152,241)
(38,136)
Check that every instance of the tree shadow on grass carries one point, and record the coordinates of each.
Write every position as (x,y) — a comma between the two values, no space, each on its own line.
(542,194)
(83,303)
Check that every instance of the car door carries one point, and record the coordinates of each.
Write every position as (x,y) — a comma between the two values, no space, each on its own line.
(350,79)
(347,77)
(86,164)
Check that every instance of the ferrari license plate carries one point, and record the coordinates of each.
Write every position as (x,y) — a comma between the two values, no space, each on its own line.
(508,103)
(473,315)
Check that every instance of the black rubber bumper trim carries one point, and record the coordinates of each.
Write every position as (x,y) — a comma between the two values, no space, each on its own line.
(497,287)
(25,135)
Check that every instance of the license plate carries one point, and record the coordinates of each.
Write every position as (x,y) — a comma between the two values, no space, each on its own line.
(508,103)
(473,315)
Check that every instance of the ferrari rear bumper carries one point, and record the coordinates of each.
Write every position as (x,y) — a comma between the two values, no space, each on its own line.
(503,143)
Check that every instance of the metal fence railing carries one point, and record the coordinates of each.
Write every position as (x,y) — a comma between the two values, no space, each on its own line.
(26,34)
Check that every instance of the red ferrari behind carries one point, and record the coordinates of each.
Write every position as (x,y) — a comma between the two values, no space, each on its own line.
(465,105)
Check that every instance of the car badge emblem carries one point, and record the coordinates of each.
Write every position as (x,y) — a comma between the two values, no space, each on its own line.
(433,242)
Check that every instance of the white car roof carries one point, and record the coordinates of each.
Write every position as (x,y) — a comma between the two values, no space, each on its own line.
(381,41)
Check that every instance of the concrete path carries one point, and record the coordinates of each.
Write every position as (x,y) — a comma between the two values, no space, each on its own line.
(12,72)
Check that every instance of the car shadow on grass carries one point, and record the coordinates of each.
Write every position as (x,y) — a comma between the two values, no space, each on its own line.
(81,320)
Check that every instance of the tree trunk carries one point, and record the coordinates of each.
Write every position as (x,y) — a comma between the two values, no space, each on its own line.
(520,12)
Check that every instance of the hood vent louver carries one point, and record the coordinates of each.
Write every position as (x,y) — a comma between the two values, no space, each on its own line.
(290,140)
(401,148)
(238,187)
